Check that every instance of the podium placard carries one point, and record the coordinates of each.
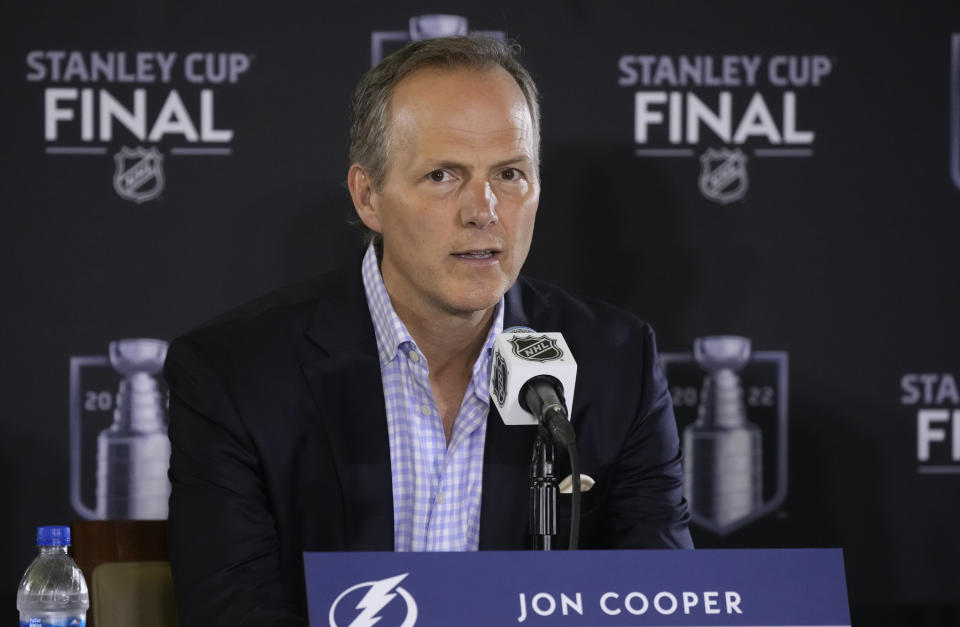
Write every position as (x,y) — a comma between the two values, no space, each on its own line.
(702,588)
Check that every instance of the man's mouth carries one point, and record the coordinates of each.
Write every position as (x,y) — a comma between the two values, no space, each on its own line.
(485,253)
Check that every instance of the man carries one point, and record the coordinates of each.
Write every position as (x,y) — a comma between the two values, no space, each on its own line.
(351,413)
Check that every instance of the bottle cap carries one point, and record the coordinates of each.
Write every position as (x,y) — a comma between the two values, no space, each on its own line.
(53,536)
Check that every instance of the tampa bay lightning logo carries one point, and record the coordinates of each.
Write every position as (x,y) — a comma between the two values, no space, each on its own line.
(379,597)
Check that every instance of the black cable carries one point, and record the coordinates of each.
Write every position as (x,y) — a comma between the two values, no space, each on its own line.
(563,433)
(574,495)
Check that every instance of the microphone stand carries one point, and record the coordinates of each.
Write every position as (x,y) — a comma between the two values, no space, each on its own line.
(543,397)
(543,492)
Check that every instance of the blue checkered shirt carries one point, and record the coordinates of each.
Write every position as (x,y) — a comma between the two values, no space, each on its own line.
(436,488)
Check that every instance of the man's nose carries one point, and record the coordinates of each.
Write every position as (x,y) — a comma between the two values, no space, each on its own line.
(478,205)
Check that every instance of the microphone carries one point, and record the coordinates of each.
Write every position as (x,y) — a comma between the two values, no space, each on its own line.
(531,383)
(533,377)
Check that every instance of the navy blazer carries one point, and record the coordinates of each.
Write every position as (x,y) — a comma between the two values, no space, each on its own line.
(279,445)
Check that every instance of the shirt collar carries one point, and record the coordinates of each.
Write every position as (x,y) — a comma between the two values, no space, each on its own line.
(392,334)
(389,329)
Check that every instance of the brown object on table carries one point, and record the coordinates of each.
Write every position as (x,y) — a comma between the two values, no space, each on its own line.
(145,587)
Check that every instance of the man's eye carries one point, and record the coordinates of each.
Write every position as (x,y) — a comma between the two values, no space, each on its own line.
(511,174)
(438,176)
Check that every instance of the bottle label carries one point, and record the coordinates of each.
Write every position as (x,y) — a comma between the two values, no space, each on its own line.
(54,621)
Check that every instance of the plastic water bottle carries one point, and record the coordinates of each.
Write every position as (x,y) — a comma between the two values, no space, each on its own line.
(53,592)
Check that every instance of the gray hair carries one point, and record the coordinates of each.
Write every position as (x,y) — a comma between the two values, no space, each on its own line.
(370,109)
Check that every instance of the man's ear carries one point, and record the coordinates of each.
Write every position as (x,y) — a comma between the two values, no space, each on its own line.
(362,193)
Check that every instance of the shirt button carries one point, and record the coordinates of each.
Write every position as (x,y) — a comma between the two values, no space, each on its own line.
(440,499)
(426,410)
(414,357)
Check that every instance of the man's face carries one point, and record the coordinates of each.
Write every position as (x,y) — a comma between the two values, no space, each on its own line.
(457,207)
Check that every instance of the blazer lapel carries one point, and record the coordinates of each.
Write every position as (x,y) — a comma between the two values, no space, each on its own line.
(505,497)
(348,392)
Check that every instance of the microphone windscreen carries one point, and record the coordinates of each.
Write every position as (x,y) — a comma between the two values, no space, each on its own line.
(518,356)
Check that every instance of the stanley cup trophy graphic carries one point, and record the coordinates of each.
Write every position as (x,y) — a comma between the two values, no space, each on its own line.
(420,27)
(133,453)
(430,26)
(724,471)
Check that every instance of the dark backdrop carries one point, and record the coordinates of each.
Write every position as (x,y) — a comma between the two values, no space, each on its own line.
(826,233)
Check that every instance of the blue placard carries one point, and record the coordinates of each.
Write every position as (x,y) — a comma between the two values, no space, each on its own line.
(748,587)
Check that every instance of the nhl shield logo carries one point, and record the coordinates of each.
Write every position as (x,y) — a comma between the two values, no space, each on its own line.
(500,379)
(723,175)
(139,173)
(536,348)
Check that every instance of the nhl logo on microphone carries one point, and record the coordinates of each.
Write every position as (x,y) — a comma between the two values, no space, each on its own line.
(536,348)
(498,384)
(518,356)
